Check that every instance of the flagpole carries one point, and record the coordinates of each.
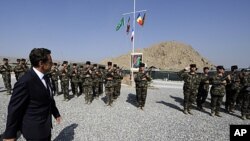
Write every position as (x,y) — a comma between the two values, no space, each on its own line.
(133,50)
(133,42)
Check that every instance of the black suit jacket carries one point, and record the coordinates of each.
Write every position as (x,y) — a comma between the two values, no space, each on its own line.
(30,108)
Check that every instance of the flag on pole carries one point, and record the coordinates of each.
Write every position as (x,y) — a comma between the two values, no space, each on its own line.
(139,19)
(128,26)
(143,19)
(120,24)
(132,35)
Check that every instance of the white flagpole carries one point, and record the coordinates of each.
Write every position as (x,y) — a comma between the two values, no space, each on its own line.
(133,43)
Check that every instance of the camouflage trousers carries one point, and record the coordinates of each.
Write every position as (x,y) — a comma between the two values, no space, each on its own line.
(141,95)
(95,89)
(189,98)
(231,97)
(88,93)
(109,95)
(74,88)
(216,102)
(7,83)
(245,108)
(116,92)
(55,86)
(65,89)
(100,88)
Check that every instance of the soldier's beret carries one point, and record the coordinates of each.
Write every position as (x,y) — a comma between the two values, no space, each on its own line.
(109,63)
(220,67)
(95,65)
(234,67)
(5,59)
(23,59)
(74,64)
(55,64)
(114,65)
(192,65)
(88,63)
(206,68)
(18,60)
(142,65)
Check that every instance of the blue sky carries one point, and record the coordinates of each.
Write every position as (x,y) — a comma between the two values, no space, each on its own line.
(85,29)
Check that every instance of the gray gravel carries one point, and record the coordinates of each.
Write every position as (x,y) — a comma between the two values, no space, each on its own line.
(162,118)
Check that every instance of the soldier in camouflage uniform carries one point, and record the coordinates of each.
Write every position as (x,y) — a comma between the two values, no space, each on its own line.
(54,74)
(141,82)
(74,75)
(101,77)
(15,68)
(109,87)
(6,70)
(88,82)
(116,81)
(245,83)
(22,68)
(80,81)
(218,90)
(232,89)
(190,88)
(203,89)
(64,77)
(95,78)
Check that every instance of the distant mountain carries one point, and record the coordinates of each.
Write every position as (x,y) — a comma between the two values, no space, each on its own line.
(166,56)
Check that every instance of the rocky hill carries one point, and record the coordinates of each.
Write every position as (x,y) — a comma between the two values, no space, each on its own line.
(165,56)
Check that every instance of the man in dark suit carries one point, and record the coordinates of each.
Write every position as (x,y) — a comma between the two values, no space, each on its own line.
(32,104)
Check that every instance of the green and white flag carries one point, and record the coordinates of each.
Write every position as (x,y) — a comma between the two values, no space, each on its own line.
(120,24)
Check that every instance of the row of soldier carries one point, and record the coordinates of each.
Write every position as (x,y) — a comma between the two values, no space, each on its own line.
(85,79)
(234,85)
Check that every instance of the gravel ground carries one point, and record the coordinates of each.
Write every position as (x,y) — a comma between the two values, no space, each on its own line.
(162,118)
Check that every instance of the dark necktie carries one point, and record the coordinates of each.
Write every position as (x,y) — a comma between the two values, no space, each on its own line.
(46,78)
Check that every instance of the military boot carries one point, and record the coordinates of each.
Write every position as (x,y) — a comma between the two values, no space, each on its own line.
(212,113)
(243,117)
(185,111)
(189,111)
(248,116)
(218,114)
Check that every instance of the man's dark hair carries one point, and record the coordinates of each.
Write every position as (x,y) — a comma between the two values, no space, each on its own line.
(37,55)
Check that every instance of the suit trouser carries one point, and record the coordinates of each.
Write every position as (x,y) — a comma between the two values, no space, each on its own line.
(43,139)
(201,97)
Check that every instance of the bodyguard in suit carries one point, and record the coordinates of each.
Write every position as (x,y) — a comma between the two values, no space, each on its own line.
(32,104)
